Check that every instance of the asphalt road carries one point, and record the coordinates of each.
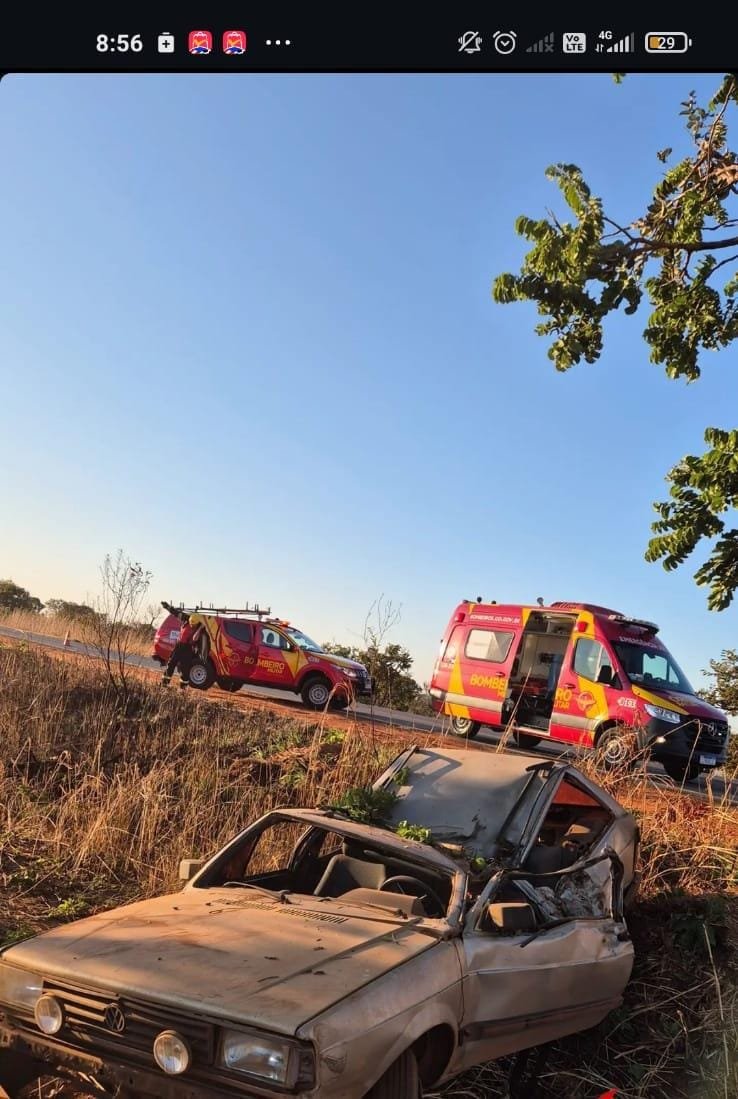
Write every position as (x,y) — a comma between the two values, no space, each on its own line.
(400,719)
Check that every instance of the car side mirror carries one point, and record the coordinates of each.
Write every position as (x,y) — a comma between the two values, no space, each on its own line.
(605,675)
(189,867)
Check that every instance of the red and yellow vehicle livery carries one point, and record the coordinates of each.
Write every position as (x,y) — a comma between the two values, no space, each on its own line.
(577,673)
(236,649)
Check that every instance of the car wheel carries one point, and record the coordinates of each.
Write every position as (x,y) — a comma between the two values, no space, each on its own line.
(681,770)
(227,684)
(525,740)
(464,726)
(201,674)
(400,1081)
(615,747)
(316,693)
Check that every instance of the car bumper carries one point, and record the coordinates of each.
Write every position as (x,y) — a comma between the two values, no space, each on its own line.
(690,741)
(21,1054)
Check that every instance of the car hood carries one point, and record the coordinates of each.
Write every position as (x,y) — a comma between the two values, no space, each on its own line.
(228,953)
(343,662)
(686,704)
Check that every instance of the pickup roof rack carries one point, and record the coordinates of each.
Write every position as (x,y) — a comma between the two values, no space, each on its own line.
(235,612)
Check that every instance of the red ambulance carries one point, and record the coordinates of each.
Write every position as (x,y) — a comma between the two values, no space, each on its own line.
(575,673)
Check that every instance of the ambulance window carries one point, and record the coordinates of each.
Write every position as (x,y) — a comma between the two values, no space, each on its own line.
(492,645)
(589,659)
(452,647)
(241,631)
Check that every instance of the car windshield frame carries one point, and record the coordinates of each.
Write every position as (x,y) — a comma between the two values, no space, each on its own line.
(682,687)
(303,641)
(329,822)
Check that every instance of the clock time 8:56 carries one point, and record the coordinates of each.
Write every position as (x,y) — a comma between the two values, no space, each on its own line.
(119,43)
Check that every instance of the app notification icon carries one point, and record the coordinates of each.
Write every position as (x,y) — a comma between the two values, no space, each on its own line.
(234,42)
(200,42)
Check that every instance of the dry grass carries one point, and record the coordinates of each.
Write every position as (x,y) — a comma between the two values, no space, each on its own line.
(96,807)
(55,625)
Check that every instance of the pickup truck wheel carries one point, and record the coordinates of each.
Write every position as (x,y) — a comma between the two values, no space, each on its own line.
(201,674)
(316,692)
(464,726)
(681,770)
(400,1081)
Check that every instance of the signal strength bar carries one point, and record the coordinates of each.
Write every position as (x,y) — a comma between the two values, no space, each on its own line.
(543,45)
(625,45)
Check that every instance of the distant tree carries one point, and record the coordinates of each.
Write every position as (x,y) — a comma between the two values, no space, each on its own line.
(65,608)
(724,690)
(681,250)
(15,598)
(124,584)
(389,667)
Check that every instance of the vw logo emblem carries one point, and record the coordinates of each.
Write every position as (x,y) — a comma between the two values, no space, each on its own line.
(114,1019)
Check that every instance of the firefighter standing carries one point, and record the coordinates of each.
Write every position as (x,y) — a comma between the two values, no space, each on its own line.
(184,651)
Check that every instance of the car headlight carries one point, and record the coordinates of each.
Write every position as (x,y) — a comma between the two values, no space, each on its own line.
(172,1053)
(268,1057)
(19,987)
(350,672)
(663,714)
(49,1014)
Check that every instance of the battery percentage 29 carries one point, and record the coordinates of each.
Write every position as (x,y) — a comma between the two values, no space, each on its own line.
(667,42)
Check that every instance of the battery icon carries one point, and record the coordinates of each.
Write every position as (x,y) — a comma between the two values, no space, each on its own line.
(667,42)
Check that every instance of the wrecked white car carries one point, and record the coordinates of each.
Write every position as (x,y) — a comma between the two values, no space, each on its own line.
(319,956)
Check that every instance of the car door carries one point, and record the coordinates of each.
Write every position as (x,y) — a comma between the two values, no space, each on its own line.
(526,987)
(486,658)
(239,650)
(585,693)
(569,815)
(276,658)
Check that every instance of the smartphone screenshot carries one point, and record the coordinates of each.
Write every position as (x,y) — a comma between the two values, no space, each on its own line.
(368,556)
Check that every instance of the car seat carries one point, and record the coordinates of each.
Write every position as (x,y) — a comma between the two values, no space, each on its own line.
(583,832)
(344,872)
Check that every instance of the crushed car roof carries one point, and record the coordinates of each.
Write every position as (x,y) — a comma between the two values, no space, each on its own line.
(461,795)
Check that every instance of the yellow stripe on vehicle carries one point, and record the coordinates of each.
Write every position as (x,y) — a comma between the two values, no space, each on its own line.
(657,700)
(456,687)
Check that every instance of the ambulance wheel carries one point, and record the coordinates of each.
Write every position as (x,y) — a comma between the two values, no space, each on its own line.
(201,675)
(464,726)
(227,684)
(616,748)
(681,770)
(525,740)
(316,692)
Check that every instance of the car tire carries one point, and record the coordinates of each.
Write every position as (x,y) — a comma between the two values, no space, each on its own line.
(226,683)
(681,770)
(400,1081)
(525,740)
(316,692)
(615,748)
(464,726)
(201,674)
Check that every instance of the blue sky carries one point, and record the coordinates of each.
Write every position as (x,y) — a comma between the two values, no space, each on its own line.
(248,336)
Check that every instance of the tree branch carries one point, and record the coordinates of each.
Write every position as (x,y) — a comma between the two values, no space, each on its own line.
(730,259)
(647,245)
